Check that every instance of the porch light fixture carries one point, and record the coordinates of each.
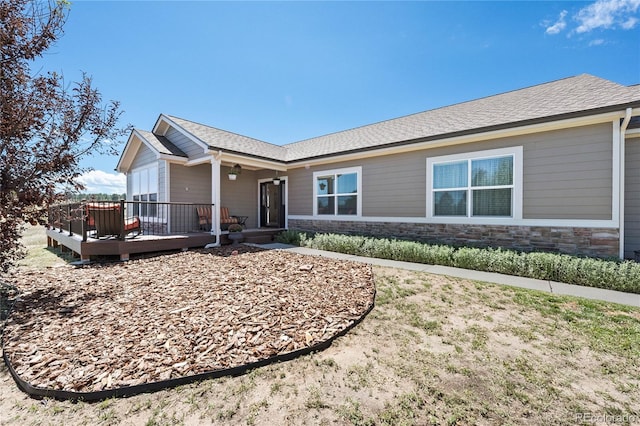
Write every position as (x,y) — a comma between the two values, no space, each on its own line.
(276,180)
(234,171)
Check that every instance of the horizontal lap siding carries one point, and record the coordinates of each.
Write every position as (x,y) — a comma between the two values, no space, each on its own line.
(162,178)
(240,196)
(392,185)
(300,191)
(190,184)
(185,144)
(632,198)
(144,157)
(399,181)
(568,174)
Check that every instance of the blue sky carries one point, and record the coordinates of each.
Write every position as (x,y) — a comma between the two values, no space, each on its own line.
(286,71)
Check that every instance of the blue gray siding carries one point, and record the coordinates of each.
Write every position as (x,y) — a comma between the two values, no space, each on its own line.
(190,184)
(186,145)
(567,175)
(632,198)
(144,157)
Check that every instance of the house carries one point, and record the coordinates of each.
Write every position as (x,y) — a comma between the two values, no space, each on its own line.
(550,167)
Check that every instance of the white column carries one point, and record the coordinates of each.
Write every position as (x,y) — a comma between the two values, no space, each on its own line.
(215,196)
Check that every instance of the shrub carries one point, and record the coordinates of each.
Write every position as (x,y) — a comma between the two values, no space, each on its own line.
(234,227)
(290,236)
(609,274)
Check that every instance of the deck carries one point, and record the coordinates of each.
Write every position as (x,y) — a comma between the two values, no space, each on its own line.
(101,247)
(123,228)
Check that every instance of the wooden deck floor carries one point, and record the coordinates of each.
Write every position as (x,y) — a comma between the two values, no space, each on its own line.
(93,247)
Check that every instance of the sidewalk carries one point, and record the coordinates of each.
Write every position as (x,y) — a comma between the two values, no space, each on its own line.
(622,298)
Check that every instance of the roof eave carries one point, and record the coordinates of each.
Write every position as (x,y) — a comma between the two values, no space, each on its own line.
(215,149)
(478,130)
(123,166)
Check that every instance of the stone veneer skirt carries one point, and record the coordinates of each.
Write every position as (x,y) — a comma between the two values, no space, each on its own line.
(595,242)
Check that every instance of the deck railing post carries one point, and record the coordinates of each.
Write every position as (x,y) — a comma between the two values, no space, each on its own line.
(122,216)
(69,219)
(85,220)
(60,218)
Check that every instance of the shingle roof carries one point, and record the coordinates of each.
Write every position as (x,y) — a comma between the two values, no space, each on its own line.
(161,144)
(574,95)
(228,141)
(570,97)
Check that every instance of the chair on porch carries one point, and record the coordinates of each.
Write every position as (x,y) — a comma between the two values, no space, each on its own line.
(107,219)
(204,218)
(226,219)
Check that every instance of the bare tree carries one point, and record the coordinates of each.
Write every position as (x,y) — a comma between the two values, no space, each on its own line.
(45,126)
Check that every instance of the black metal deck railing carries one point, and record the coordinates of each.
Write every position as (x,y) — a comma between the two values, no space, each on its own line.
(126,219)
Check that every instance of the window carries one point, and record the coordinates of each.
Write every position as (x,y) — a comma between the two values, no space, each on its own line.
(337,192)
(481,184)
(144,188)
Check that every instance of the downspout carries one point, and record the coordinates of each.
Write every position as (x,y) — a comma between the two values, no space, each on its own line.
(623,129)
(215,196)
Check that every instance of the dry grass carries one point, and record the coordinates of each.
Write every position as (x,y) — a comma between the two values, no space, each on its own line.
(39,255)
(435,350)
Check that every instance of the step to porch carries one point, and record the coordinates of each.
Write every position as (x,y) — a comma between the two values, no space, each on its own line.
(255,236)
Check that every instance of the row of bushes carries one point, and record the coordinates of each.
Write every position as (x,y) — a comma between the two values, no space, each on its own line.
(609,274)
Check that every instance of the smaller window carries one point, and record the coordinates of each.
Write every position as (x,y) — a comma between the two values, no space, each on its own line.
(337,192)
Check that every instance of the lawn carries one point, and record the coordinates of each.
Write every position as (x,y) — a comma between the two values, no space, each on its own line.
(434,350)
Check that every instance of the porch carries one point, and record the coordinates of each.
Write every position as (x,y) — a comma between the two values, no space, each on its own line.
(123,228)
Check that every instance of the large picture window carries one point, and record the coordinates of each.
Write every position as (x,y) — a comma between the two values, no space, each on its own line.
(337,192)
(481,184)
(144,188)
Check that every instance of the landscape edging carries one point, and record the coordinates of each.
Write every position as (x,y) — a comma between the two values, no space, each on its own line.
(62,395)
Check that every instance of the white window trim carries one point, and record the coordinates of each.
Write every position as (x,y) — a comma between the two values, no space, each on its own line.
(143,168)
(133,191)
(515,151)
(357,170)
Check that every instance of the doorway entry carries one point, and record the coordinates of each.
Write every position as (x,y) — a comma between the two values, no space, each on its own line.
(272,208)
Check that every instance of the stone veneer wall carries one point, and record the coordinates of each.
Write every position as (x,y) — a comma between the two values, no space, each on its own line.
(595,242)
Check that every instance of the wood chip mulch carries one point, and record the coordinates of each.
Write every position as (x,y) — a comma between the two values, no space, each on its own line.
(107,326)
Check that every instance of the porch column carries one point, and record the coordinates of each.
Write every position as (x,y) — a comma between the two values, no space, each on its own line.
(215,196)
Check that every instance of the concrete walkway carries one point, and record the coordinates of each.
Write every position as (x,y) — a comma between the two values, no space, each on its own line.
(529,283)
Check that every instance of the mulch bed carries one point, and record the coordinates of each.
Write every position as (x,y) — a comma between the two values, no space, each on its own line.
(107,326)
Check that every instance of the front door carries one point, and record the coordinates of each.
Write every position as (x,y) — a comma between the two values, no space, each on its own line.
(272,205)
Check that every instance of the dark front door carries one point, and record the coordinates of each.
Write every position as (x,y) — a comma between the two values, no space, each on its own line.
(272,205)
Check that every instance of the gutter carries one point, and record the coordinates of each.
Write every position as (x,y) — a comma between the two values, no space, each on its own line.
(623,129)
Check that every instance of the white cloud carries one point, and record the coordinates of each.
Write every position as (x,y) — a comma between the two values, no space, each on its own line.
(596,42)
(629,23)
(99,182)
(559,25)
(607,14)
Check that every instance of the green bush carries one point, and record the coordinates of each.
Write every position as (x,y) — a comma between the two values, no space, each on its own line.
(601,273)
(290,237)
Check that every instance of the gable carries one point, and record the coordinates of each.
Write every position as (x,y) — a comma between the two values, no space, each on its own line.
(211,138)
(144,147)
(143,157)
